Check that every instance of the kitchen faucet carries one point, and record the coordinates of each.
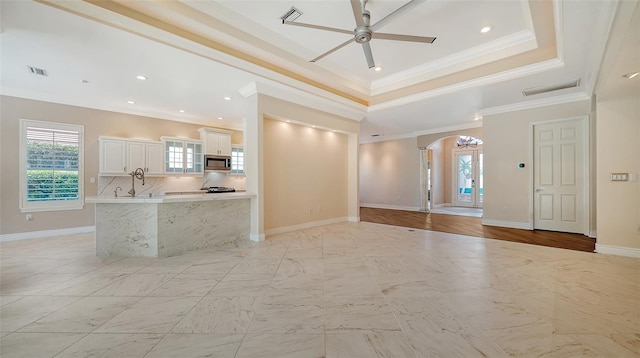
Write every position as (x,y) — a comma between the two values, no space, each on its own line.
(138,173)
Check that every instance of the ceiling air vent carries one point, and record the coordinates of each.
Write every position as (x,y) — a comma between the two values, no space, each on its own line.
(291,15)
(543,89)
(37,71)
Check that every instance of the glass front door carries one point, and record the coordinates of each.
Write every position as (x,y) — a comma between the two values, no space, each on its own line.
(468,183)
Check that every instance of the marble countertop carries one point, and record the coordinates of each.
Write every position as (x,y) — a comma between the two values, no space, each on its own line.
(162,199)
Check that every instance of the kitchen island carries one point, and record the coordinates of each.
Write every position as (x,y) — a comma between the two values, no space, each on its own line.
(165,225)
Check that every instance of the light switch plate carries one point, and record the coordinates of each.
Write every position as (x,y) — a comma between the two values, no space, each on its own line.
(619,177)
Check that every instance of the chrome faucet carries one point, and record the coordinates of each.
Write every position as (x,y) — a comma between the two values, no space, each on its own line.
(138,173)
(116,191)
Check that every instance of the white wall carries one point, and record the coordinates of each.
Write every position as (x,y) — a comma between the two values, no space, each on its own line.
(390,174)
(507,142)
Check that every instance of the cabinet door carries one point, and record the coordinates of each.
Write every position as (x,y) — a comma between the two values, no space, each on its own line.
(113,157)
(174,156)
(224,144)
(136,155)
(193,158)
(154,158)
(212,143)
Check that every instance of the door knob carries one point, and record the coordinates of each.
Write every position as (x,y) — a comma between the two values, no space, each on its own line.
(538,190)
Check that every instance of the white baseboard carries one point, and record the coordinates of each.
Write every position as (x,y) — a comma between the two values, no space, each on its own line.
(354,219)
(46,233)
(392,207)
(509,224)
(618,250)
(592,234)
(281,230)
(256,237)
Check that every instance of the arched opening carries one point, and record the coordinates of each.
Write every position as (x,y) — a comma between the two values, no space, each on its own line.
(452,181)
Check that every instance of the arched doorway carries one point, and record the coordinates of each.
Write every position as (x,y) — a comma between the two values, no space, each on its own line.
(451,173)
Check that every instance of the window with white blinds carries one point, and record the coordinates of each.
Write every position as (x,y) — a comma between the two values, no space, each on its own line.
(237,160)
(51,166)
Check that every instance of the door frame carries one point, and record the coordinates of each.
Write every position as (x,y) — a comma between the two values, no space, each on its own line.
(586,169)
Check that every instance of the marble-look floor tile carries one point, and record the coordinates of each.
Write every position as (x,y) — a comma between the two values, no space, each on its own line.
(358,313)
(351,284)
(456,344)
(18,314)
(219,266)
(284,314)
(219,345)
(297,285)
(83,285)
(83,315)
(256,266)
(137,284)
(150,315)
(406,285)
(112,345)
(183,285)
(613,346)
(256,345)
(28,345)
(127,265)
(234,285)
(8,299)
(85,265)
(32,284)
(291,266)
(368,344)
(304,253)
(219,315)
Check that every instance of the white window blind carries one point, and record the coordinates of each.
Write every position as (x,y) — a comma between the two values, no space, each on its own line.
(237,160)
(51,161)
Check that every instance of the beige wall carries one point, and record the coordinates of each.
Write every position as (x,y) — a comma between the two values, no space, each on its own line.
(96,123)
(437,173)
(305,174)
(390,174)
(618,134)
(507,142)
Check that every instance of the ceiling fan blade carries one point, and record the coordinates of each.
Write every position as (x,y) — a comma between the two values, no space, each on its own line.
(318,27)
(356,5)
(367,53)
(404,8)
(383,36)
(332,50)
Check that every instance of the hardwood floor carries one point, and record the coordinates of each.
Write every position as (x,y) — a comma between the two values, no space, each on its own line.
(472,226)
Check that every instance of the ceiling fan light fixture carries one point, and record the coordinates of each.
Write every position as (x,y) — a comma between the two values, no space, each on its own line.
(485,29)
(377,68)
(291,15)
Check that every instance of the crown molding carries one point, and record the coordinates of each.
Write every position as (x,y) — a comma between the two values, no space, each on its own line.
(543,102)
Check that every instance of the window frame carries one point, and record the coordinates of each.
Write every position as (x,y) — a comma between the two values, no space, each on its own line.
(242,173)
(55,205)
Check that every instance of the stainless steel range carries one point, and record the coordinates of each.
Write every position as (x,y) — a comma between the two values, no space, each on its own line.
(218,189)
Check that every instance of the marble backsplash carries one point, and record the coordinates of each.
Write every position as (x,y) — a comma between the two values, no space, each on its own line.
(158,185)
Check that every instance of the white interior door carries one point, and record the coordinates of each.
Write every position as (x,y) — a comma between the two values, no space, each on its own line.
(467,178)
(559,163)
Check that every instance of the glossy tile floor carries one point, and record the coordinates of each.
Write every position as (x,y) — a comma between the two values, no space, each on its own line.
(343,290)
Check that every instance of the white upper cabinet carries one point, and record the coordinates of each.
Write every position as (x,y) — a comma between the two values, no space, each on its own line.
(216,141)
(113,156)
(145,155)
(120,156)
(183,157)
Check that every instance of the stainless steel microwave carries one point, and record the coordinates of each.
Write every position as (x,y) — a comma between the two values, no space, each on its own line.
(217,162)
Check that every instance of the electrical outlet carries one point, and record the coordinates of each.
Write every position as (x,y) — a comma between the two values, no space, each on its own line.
(29,217)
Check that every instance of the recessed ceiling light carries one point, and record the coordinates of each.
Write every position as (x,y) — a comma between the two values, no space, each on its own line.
(288,121)
(313,126)
(631,75)
(182,111)
(477,118)
(227,98)
(84,81)
(141,77)
(377,69)
(219,117)
(485,29)
(131,102)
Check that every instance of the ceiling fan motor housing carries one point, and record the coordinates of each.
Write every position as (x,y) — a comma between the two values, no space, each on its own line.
(362,33)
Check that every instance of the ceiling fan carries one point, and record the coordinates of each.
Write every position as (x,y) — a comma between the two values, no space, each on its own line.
(364,31)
